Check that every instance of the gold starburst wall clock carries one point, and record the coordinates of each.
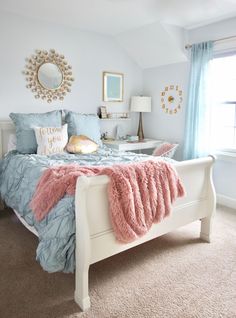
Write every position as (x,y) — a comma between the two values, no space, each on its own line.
(171,99)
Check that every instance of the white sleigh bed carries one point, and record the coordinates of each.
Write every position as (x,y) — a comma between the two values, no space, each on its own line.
(95,239)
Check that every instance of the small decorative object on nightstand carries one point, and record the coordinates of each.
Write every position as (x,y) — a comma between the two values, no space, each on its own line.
(140,104)
(132,138)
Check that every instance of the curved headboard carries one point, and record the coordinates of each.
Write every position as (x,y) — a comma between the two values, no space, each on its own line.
(6,129)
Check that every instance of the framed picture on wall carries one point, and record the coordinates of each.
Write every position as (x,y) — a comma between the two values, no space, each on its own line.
(113,87)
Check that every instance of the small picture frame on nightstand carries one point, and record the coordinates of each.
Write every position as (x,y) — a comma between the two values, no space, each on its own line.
(103,112)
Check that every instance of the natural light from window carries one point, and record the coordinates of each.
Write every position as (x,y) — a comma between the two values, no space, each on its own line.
(223,99)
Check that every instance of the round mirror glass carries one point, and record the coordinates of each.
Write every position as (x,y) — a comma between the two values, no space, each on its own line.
(50,76)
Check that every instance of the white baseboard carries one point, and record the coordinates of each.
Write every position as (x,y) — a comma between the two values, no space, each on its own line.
(226,201)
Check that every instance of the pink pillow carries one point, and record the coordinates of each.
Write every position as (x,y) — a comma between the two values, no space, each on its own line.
(166,149)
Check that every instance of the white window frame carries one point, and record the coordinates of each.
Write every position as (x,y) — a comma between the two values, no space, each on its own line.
(230,151)
(223,49)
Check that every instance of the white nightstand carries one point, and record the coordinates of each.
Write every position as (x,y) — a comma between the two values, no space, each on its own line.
(123,145)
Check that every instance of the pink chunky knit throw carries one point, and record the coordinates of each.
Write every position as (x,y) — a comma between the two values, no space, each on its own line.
(139,194)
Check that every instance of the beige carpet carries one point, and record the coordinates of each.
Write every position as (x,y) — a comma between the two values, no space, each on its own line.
(176,275)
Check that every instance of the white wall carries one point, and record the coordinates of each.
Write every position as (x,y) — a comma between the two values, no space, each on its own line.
(89,54)
(225,178)
(158,124)
(212,31)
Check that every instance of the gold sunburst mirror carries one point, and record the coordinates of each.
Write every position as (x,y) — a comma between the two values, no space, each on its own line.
(48,75)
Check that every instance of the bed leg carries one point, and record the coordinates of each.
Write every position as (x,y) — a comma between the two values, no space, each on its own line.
(206,228)
(81,292)
(83,248)
(206,223)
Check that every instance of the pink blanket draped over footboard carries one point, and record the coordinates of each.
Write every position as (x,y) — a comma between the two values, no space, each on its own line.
(139,194)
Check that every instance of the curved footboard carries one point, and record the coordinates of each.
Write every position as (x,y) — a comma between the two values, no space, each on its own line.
(95,239)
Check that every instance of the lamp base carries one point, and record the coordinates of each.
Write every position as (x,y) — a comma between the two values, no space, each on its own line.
(140,128)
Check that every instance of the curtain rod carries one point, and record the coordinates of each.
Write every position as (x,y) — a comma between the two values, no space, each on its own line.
(188,46)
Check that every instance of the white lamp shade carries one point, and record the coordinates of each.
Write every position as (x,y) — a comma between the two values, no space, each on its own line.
(140,104)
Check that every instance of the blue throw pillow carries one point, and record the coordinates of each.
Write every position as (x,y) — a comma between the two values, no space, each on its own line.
(25,124)
(83,124)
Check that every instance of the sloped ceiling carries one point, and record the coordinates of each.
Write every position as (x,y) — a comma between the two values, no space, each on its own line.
(116,16)
(151,31)
(154,44)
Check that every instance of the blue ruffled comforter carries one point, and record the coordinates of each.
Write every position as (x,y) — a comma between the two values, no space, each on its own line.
(19,175)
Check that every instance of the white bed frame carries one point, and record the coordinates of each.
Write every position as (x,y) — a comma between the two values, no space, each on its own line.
(95,239)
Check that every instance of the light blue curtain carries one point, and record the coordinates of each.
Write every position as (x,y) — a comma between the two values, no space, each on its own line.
(197,121)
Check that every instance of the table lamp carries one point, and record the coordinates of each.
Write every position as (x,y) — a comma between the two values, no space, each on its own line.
(141,104)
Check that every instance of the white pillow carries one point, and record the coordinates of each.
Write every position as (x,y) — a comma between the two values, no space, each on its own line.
(11,142)
(51,140)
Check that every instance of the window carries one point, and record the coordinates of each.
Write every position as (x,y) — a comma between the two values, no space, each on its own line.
(223,99)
